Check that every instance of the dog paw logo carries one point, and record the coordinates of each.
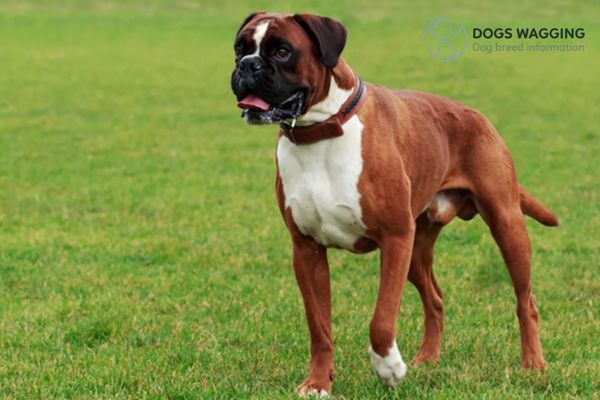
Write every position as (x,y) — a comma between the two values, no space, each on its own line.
(445,41)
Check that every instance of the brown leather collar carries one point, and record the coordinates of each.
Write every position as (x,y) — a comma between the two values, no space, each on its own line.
(332,126)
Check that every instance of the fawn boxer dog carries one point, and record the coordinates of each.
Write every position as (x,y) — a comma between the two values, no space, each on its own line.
(362,167)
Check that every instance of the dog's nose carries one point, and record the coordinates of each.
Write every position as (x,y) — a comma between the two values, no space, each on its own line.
(251,64)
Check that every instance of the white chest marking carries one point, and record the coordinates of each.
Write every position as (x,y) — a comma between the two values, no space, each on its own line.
(320,186)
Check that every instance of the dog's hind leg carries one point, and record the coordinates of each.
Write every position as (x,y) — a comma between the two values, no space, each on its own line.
(421,275)
(491,177)
(443,208)
(502,213)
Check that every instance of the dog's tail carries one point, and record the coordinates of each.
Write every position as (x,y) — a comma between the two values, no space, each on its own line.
(536,210)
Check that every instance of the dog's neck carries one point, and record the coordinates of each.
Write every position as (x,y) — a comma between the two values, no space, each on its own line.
(342,81)
(325,119)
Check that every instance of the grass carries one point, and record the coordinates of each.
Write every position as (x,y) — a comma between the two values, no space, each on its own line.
(141,251)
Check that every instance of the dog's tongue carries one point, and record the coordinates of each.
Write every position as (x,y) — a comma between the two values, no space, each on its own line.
(253,102)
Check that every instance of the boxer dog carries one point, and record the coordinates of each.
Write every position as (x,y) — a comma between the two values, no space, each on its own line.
(362,167)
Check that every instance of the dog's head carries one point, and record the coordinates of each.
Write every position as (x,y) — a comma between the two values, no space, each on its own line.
(283,64)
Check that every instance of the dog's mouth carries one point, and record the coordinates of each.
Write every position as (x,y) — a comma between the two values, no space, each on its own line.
(255,110)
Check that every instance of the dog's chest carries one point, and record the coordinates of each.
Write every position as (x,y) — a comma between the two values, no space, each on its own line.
(320,186)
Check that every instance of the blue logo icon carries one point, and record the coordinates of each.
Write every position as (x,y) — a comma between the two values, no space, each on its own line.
(445,42)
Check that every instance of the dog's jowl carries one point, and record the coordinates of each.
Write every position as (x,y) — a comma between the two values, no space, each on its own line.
(362,167)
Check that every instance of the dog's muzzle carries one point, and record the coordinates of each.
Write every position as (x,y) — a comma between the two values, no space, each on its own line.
(255,111)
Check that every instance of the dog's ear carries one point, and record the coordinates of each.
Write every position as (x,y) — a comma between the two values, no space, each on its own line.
(248,18)
(328,35)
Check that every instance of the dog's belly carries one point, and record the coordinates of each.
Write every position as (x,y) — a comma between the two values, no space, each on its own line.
(320,186)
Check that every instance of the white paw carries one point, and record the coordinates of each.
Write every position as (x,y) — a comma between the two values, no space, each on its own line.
(318,393)
(391,369)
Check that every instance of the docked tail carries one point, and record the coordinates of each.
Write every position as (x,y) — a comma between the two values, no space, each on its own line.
(536,210)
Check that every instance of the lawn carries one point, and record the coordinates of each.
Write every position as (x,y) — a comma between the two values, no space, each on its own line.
(142,254)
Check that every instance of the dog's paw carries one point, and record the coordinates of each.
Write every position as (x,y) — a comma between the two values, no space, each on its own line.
(318,382)
(306,390)
(391,368)
(535,363)
(425,357)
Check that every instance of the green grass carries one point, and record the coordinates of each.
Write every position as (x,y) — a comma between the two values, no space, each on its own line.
(141,251)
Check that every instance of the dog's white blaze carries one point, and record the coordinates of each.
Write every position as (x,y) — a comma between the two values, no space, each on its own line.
(259,34)
(320,186)
(391,368)
(326,107)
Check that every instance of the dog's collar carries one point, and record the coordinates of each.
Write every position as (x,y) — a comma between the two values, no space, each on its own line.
(332,126)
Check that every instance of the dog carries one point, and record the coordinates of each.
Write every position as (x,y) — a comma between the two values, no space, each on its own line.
(362,167)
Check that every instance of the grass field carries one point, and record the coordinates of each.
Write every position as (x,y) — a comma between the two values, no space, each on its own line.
(141,251)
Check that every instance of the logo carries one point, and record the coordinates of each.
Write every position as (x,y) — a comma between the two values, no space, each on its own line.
(445,42)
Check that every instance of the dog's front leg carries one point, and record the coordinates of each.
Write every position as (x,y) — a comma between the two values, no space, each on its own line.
(395,261)
(312,273)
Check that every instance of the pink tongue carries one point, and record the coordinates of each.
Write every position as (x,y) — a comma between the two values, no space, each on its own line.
(254,102)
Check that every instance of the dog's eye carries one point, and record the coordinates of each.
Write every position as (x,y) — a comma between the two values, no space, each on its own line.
(282,53)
